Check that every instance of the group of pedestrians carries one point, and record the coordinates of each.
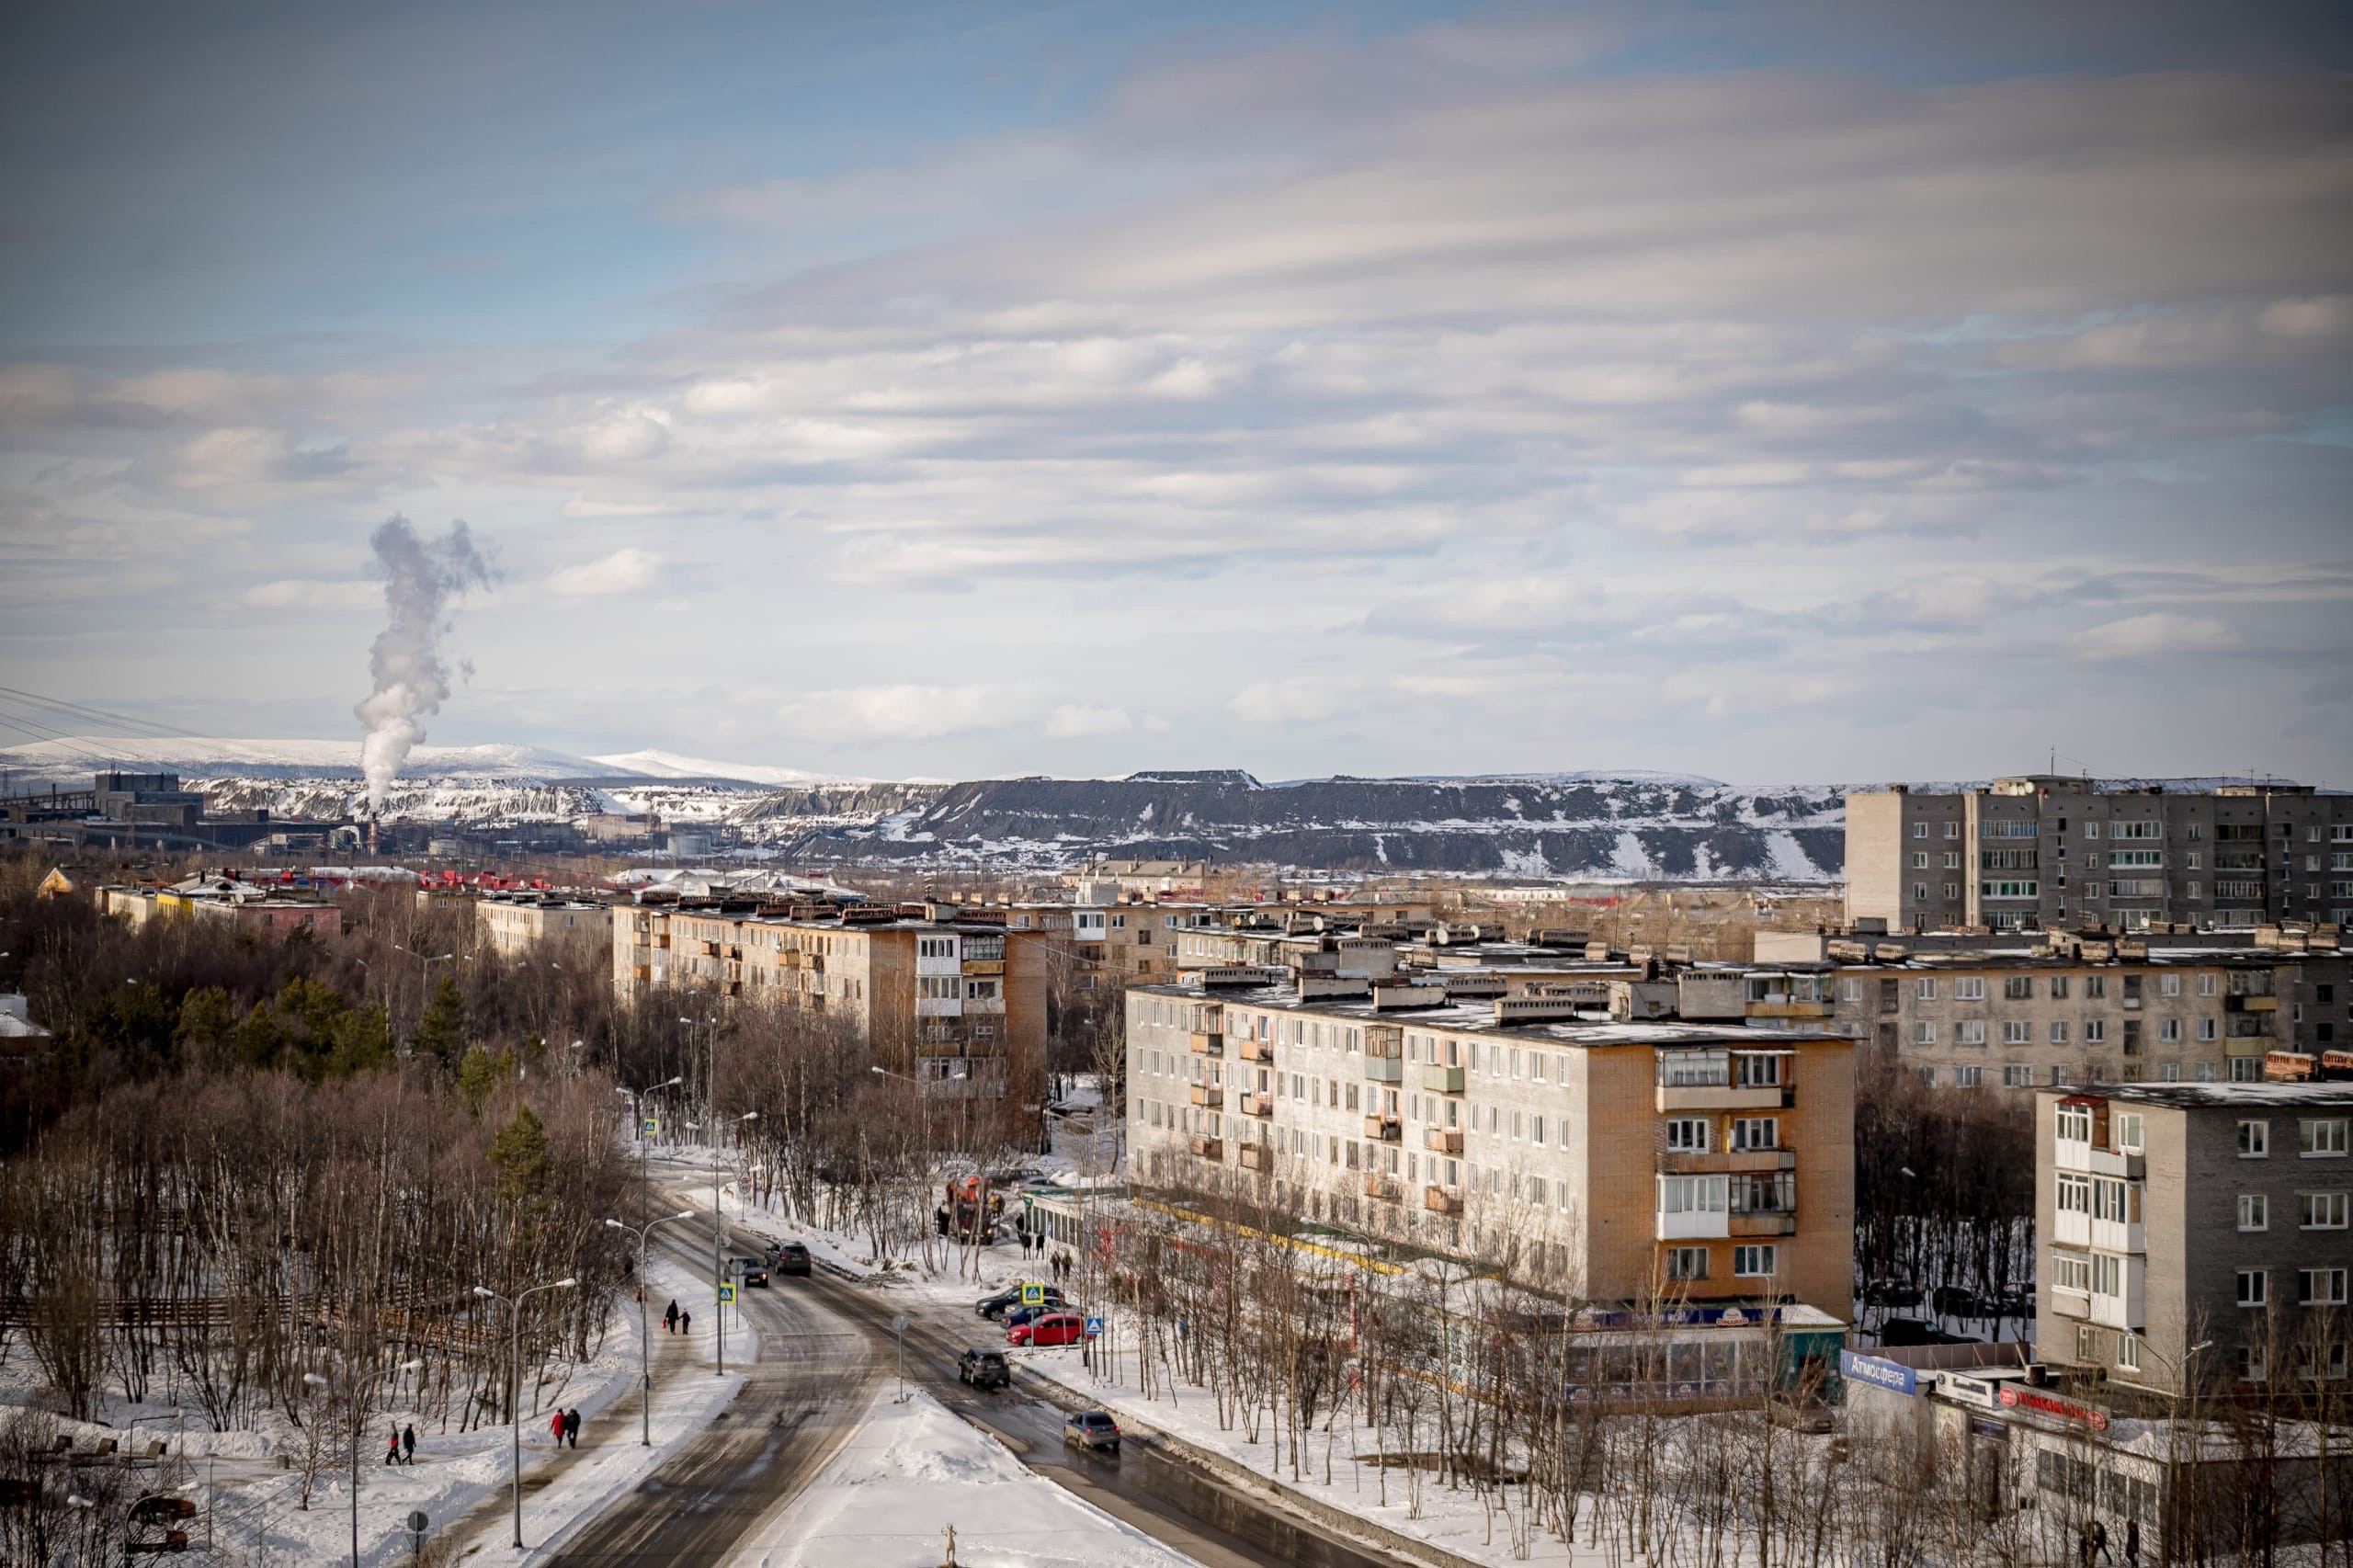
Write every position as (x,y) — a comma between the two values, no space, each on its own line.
(564,1427)
(1062,1264)
(402,1446)
(675,1321)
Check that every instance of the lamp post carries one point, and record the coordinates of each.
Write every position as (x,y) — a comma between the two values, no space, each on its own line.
(358,1407)
(515,1385)
(645,1328)
(711,1075)
(637,1100)
(719,1256)
(2182,1370)
(425,995)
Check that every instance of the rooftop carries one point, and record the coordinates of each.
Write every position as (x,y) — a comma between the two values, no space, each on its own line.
(1479,1017)
(2203,1096)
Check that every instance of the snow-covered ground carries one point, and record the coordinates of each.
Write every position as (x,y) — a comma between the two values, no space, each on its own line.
(913,1472)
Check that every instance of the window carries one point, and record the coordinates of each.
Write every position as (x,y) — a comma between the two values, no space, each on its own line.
(2322,1361)
(1969,1031)
(2095,1031)
(2128,1131)
(2254,1212)
(980,990)
(2017,1031)
(1756,1262)
(2073,1194)
(1757,1132)
(2059,1033)
(2253,1366)
(1969,988)
(2320,1211)
(2127,1352)
(2108,1273)
(2321,1138)
(2091,830)
(1694,1193)
(2072,1272)
(2206,1031)
(1919,859)
(2254,1140)
(2018,1077)
(1952,830)
(2254,1286)
(1686,1263)
(2243,1069)
(1757,1069)
(2072,1124)
(1924,1034)
(2018,988)
(2320,1287)
(1927,989)
(1968,1077)
(2059,985)
(2169,1030)
(1919,830)
(2094,986)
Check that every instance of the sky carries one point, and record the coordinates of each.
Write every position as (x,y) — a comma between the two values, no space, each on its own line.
(1779,392)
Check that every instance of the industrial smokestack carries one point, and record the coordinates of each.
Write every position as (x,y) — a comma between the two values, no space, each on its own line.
(421,578)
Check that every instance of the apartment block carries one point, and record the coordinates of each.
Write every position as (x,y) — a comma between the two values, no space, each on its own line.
(1646,1162)
(516,925)
(960,1003)
(2044,851)
(2194,1235)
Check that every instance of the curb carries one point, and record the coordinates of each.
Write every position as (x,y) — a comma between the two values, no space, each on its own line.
(1339,1521)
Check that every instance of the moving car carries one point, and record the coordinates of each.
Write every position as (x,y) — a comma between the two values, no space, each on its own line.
(1091,1429)
(789,1257)
(751,1271)
(1054,1328)
(984,1368)
(1005,1300)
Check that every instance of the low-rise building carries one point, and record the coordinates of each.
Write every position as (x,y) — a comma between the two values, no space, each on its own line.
(2192,1237)
(1641,1161)
(515,924)
(220,897)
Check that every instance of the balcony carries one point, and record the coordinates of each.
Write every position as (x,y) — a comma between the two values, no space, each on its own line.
(2250,1004)
(2119,1235)
(1256,1104)
(1385,1070)
(1257,1158)
(1722,1096)
(1442,1199)
(1782,1007)
(1208,1095)
(1743,1227)
(1207,1044)
(1693,1224)
(1384,1128)
(1677,1163)
(1208,1148)
(1256,1050)
(1443,1140)
(2071,1228)
(1385,1187)
(1442,1080)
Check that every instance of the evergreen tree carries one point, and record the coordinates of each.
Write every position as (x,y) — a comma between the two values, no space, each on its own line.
(442,1032)
(521,1156)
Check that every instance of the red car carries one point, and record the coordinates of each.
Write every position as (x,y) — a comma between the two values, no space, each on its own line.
(1054,1328)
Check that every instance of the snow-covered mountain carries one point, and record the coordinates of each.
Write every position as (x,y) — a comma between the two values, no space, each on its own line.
(75,757)
(670,764)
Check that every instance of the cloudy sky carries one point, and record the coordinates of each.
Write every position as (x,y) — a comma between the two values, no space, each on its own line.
(1774,391)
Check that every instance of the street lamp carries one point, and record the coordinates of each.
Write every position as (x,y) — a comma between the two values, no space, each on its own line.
(515,1385)
(645,1328)
(718,1256)
(358,1406)
(711,1078)
(637,1100)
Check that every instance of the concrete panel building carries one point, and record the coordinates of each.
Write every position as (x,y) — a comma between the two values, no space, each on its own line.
(2043,851)
(2194,1235)
(1639,1162)
(515,924)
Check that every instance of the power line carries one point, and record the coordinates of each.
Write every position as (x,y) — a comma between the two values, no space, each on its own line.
(136,727)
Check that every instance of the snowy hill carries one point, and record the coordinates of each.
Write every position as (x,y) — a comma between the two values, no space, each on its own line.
(73,758)
(670,764)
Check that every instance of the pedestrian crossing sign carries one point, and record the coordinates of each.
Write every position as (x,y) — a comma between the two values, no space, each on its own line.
(653,1127)
(727,1295)
(1033,1295)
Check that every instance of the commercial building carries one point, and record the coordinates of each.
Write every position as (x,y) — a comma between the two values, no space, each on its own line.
(956,1001)
(513,924)
(1638,1161)
(2043,851)
(2195,1237)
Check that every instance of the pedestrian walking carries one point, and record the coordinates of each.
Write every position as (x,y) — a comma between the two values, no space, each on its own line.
(393,1452)
(408,1444)
(572,1427)
(555,1427)
(2132,1543)
(686,1322)
(2100,1540)
(670,1318)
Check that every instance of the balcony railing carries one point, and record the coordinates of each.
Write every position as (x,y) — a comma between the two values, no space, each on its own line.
(1257,1105)
(1382,1187)
(1208,1148)
(1257,1158)
(1442,1080)
(1208,1095)
(1767,1224)
(1444,1140)
(1384,1128)
(1207,1044)
(1385,1070)
(1442,1199)
(1256,1050)
(1676,1162)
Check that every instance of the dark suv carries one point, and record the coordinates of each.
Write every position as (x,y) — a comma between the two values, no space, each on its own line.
(789,1257)
(984,1368)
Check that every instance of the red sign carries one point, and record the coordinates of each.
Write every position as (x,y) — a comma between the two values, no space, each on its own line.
(2043,1404)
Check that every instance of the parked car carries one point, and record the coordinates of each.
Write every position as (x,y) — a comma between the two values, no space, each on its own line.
(1054,1328)
(789,1257)
(1890,1293)
(1005,1300)
(1032,1315)
(1918,1330)
(984,1368)
(1091,1429)
(1957,1301)
(751,1271)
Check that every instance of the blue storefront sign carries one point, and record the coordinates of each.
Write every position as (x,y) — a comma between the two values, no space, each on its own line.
(1877,1372)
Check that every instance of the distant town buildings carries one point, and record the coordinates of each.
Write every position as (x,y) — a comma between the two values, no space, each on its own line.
(2045,851)
(514,924)
(226,899)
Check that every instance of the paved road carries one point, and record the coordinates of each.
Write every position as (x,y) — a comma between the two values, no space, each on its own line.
(803,1396)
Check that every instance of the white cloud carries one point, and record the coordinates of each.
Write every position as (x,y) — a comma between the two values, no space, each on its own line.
(2155,636)
(1295,698)
(626,571)
(907,712)
(1069,720)
(300,593)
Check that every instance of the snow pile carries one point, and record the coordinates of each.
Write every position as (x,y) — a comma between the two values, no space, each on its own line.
(913,1470)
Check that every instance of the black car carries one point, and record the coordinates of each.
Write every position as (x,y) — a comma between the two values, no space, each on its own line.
(751,1271)
(789,1257)
(1005,1300)
(1958,1301)
(984,1368)
(1918,1330)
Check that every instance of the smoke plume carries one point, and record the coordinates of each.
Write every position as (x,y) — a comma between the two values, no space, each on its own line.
(421,578)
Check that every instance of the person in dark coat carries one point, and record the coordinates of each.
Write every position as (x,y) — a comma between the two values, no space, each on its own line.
(670,1318)
(408,1444)
(572,1427)
(686,1322)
